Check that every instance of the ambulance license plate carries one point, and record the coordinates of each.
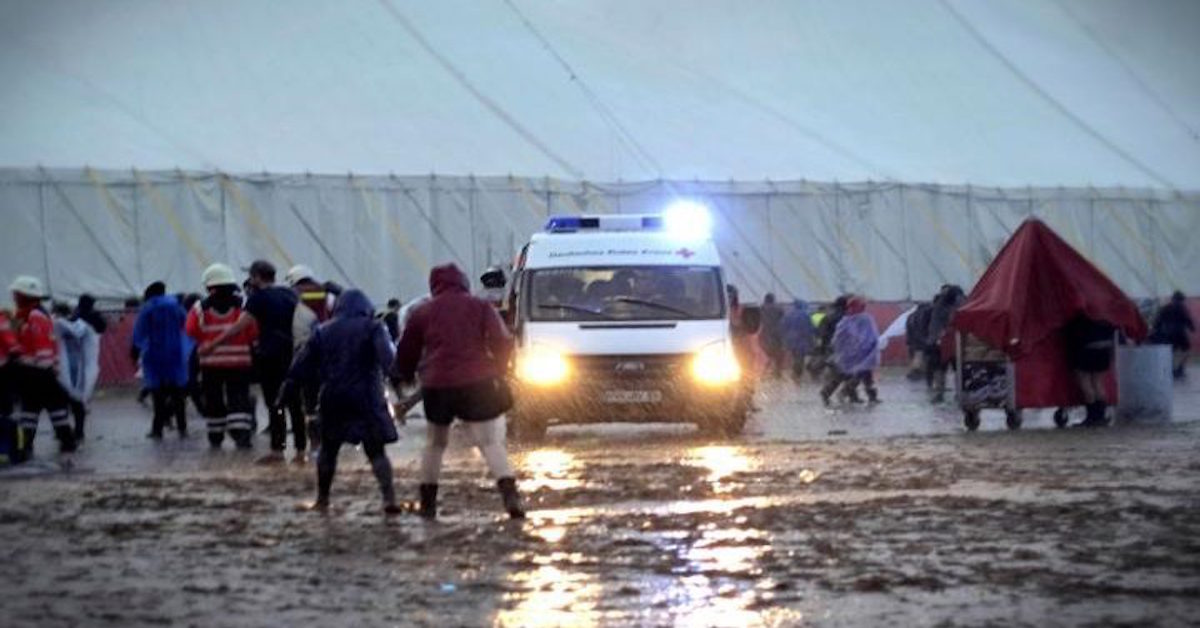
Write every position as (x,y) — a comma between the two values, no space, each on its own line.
(631,396)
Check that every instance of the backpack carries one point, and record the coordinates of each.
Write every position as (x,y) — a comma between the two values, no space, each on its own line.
(304,320)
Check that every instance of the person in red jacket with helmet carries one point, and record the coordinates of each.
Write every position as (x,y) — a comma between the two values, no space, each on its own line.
(36,364)
(225,372)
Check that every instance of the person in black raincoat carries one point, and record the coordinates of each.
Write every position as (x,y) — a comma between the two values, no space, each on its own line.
(915,330)
(347,358)
(1172,325)
(945,304)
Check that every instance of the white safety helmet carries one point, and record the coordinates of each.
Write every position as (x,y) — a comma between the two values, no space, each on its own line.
(28,286)
(218,275)
(299,273)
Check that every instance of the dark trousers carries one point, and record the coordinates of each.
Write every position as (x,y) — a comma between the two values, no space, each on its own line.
(798,364)
(935,367)
(168,404)
(327,465)
(850,381)
(39,391)
(11,448)
(227,405)
(79,411)
(272,372)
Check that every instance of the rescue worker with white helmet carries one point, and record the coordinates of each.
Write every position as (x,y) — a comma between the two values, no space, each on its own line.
(225,372)
(36,367)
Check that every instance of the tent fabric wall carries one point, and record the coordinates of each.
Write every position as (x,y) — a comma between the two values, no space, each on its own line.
(112,232)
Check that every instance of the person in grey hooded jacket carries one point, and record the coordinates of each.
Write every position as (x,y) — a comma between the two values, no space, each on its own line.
(346,358)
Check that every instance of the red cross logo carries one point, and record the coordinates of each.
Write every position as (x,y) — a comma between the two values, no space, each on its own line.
(685,253)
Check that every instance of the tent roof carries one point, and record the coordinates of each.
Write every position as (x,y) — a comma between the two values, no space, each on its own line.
(1071,92)
(1037,284)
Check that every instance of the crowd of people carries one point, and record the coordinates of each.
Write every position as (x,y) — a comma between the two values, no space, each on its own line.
(319,354)
(838,345)
(321,357)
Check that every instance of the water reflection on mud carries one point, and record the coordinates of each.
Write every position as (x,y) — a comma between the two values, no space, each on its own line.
(552,469)
(722,462)
(552,597)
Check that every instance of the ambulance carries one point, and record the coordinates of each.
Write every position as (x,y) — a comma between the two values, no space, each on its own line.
(624,318)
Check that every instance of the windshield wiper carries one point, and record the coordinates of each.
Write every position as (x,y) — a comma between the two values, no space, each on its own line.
(572,308)
(656,305)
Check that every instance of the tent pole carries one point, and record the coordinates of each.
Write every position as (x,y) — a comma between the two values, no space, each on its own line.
(45,242)
(137,235)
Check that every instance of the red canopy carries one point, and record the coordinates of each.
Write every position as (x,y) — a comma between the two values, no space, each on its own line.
(1036,284)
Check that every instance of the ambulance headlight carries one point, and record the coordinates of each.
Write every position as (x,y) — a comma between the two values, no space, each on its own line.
(716,365)
(687,220)
(542,366)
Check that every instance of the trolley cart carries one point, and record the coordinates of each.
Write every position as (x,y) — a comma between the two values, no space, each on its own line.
(986,380)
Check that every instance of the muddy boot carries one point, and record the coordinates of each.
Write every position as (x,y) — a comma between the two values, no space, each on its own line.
(512,499)
(1094,417)
(66,438)
(427,509)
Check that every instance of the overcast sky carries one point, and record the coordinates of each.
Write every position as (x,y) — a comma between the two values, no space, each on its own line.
(1049,92)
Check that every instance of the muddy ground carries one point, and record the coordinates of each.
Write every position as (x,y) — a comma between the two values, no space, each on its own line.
(858,517)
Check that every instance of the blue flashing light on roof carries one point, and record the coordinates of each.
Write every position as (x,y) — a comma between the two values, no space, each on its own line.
(571,224)
(678,221)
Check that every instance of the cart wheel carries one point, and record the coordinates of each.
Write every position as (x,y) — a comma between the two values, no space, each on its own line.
(971,420)
(1012,418)
(1060,418)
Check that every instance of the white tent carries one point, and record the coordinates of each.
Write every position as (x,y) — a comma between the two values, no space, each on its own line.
(1013,99)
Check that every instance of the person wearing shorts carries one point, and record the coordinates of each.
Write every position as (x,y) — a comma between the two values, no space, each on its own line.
(1089,345)
(460,347)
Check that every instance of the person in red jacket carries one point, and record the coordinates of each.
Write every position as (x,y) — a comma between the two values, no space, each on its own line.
(461,347)
(36,364)
(225,372)
(10,435)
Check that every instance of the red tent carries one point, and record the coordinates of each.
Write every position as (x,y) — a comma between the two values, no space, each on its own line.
(1037,284)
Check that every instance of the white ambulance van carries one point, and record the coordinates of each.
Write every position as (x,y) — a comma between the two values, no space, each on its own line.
(624,318)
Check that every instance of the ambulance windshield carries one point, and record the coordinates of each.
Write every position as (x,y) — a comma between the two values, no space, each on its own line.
(626,293)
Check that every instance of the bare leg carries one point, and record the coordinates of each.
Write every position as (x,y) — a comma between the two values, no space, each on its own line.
(1086,387)
(488,436)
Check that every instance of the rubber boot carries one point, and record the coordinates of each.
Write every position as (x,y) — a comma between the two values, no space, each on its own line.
(1095,415)
(873,396)
(428,506)
(1101,420)
(512,499)
(66,438)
